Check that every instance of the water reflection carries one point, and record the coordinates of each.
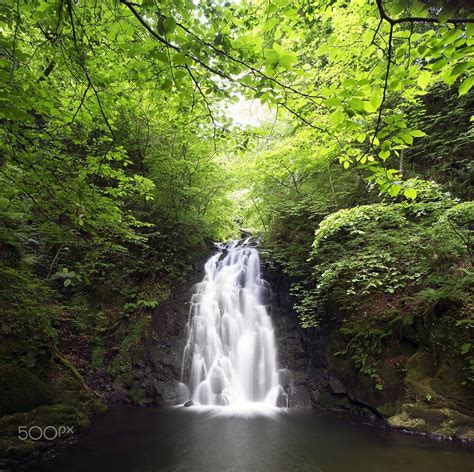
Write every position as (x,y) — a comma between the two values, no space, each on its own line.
(146,440)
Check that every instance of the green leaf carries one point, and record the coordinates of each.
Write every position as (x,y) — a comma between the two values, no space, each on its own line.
(394,190)
(466,85)
(288,59)
(271,56)
(290,12)
(167,84)
(169,25)
(271,8)
(332,102)
(460,68)
(356,104)
(424,79)
(376,100)
(271,23)
(465,348)
(451,35)
(446,12)
(369,107)
(179,59)
(410,193)
(337,118)
(161,56)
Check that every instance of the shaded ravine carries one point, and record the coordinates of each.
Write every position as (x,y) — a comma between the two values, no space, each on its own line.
(218,437)
(305,371)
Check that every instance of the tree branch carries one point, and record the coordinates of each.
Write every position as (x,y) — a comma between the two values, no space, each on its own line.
(415,19)
(86,72)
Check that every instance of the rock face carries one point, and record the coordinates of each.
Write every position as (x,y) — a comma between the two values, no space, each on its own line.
(305,373)
(167,340)
(432,401)
(300,372)
(424,396)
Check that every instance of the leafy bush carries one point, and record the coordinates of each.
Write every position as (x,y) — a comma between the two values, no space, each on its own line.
(383,269)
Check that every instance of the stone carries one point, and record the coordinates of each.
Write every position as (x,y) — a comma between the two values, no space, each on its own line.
(336,386)
(301,398)
(189,403)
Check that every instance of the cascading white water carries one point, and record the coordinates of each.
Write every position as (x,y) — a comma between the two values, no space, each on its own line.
(231,343)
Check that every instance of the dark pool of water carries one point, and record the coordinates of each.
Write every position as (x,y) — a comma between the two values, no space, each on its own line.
(147,439)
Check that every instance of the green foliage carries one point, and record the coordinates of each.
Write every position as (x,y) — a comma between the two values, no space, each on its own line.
(383,269)
(22,390)
(444,153)
(123,361)
(28,310)
(111,173)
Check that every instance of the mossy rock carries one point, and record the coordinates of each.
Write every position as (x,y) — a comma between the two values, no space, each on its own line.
(138,395)
(330,402)
(12,448)
(448,383)
(47,415)
(388,409)
(404,421)
(436,421)
(27,353)
(71,392)
(72,408)
(466,434)
(435,400)
(420,366)
(21,390)
(431,416)
(420,369)
(441,384)
(55,416)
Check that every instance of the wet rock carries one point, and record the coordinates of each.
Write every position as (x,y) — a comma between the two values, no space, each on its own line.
(163,348)
(189,403)
(224,254)
(299,373)
(282,401)
(301,398)
(403,420)
(285,379)
(315,396)
(336,386)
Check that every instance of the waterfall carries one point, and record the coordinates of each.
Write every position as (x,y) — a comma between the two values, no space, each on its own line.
(230,352)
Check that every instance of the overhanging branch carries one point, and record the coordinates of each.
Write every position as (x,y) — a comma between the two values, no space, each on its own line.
(418,19)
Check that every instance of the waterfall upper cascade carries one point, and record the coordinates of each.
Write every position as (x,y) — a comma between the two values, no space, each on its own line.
(231,344)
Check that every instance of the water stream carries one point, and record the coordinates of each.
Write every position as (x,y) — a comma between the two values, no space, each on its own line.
(231,345)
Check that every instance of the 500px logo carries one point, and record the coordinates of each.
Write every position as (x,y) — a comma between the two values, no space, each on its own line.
(50,433)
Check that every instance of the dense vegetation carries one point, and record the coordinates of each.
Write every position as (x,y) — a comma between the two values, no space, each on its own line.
(120,163)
